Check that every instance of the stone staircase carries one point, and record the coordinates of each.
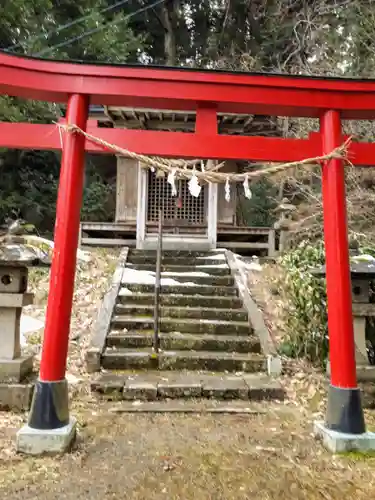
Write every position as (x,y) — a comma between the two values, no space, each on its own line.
(205,334)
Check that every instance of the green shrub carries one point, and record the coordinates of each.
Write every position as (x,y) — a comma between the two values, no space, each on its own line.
(99,201)
(259,210)
(29,185)
(305,302)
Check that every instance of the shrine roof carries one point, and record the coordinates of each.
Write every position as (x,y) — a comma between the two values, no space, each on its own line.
(182,121)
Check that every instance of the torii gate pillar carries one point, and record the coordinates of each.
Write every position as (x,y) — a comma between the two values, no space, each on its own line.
(345,422)
(50,429)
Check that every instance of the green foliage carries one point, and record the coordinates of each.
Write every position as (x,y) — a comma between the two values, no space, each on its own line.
(306,303)
(258,211)
(21,19)
(28,186)
(366,250)
(23,23)
(29,180)
(30,191)
(98,201)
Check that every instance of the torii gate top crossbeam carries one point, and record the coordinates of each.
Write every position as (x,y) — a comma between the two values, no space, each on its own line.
(184,89)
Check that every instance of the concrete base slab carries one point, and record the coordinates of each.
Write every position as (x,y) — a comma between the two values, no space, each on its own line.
(338,442)
(37,442)
(15,370)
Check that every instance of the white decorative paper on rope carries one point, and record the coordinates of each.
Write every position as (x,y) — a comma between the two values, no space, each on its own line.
(61,138)
(194,187)
(246,187)
(172,181)
(209,175)
(227,190)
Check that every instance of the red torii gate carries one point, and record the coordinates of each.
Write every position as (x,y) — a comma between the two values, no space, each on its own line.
(206,92)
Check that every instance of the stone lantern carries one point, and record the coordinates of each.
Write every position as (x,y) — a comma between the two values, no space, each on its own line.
(362,273)
(284,211)
(15,261)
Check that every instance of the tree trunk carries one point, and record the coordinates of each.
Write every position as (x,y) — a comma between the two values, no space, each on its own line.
(169,22)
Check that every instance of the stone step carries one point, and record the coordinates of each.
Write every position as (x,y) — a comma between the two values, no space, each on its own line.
(178,260)
(214,327)
(126,359)
(213,361)
(182,288)
(176,253)
(179,300)
(167,278)
(157,385)
(213,269)
(182,312)
(185,341)
(199,278)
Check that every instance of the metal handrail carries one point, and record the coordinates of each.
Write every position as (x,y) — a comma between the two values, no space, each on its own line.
(156,343)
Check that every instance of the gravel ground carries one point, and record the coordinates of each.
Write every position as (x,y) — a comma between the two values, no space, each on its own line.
(271,455)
